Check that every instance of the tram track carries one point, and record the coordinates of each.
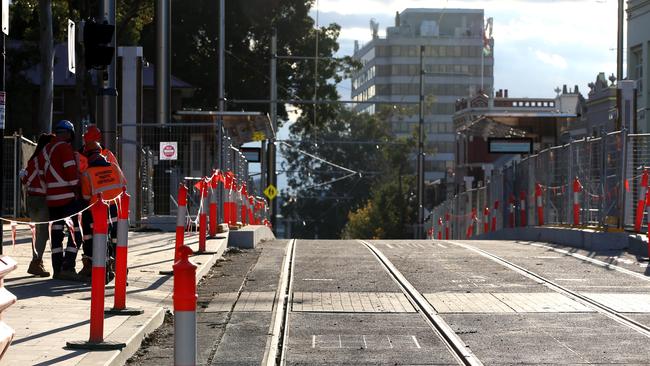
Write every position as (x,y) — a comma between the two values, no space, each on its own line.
(554,286)
(445,333)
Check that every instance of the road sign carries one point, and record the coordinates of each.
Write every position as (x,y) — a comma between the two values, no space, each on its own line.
(259,136)
(252,154)
(169,150)
(271,192)
(71,47)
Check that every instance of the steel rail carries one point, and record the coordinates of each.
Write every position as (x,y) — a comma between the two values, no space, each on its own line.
(576,296)
(456,346)
(275,351)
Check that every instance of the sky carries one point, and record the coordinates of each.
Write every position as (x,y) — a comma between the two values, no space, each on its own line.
(538,44)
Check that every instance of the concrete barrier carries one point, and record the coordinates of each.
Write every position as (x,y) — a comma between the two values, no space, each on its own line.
(573,237)
(249,236)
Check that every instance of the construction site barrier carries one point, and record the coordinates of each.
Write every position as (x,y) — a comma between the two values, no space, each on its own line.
(185,297)
(7,264)
(98,282)
(121,259)
(203,217)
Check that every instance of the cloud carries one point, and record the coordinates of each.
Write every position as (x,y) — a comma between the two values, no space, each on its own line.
(551,59)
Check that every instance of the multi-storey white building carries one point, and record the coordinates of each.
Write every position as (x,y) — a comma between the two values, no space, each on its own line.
(638,56)
(458,62)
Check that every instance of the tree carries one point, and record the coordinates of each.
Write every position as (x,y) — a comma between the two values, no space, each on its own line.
(359,142)
(249,27)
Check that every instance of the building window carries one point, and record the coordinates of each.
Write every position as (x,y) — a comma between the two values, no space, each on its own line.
(58,102)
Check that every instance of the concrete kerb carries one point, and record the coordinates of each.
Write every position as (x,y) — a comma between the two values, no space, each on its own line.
(573,237)
(133,329)
(248,237)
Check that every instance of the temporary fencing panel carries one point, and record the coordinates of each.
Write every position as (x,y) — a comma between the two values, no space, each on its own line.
(17,151)
(607,197)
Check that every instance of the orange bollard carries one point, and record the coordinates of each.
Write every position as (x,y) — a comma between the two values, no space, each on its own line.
(522,208)
(214,182)
(540,207)
(121,255)
(643,188)
(440,228)
(577,188)
(244,204)
(494,215)
(228,204)
(486,220)
(181,216)
(184,309)
(647,205)
(470,228)
(203,230)
(96,341)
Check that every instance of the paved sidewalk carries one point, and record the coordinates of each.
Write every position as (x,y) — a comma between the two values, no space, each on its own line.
(51,312)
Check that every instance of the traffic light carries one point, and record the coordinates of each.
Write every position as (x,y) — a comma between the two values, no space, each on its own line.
(97,49)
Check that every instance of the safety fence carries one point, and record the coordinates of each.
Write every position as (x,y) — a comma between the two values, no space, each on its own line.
(158,157)
(599,183)
(17,150)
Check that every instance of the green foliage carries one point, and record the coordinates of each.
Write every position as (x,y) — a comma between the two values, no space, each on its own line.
(359,142)
(249,27)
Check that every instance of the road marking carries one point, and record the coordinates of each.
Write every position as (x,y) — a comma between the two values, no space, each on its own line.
(365,345)
(442,246)
(390,246)
(313,341)
(415,340)
(351,302)
(317,279)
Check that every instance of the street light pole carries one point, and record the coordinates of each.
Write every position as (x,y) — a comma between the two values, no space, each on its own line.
(272,178)
(420,162)
(221,82)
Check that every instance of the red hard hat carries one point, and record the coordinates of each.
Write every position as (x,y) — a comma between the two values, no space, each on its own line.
(92,134)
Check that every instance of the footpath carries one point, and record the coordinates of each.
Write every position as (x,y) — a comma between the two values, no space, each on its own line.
(51,312)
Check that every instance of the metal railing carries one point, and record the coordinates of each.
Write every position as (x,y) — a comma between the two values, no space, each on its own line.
(608,169)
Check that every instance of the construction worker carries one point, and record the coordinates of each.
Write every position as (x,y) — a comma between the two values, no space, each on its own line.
(93,134)
(62,197)
(32,178)
(105,178)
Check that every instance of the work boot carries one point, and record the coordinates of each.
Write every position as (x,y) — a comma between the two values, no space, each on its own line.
(87,269)
(36,268)
(69,275)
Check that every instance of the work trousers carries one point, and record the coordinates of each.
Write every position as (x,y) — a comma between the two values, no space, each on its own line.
(87,224)
(38,212)
(65,260)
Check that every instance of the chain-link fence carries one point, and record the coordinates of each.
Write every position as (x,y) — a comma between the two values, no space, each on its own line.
(592,182)
(162,156)
(17,151)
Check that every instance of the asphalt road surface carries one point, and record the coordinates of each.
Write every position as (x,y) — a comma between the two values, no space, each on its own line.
(350,302)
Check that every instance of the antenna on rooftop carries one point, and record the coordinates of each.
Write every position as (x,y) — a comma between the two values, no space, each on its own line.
(374,28)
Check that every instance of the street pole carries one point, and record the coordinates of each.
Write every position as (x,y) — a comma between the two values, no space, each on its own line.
(272,178)
(220,91)
(162,60)
(619,41)
(420,164)
(2,137)
(108,91)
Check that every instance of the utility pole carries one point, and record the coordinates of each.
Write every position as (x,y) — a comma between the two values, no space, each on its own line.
(162,60)
(272,178)
(221,82)
(108,91)
(619,41)
(3,116)
(420,163)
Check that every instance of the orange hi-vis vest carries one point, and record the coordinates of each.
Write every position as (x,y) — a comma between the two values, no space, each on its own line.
(82,160)
(107,180)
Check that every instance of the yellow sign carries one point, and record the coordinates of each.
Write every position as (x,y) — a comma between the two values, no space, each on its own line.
(271,192)
(259,136)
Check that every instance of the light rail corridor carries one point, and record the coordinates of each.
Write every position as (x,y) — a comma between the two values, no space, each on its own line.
(341,303)
(515,304)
